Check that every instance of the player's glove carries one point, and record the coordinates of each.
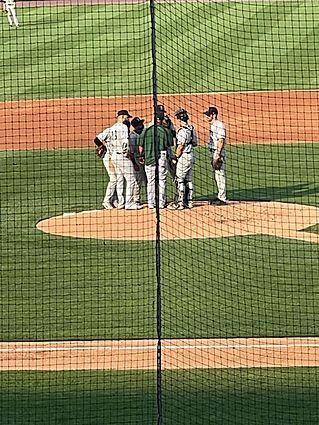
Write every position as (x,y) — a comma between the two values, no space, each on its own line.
(217,163)
(100,151)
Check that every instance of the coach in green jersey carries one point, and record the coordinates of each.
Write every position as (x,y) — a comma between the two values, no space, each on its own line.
(148,150)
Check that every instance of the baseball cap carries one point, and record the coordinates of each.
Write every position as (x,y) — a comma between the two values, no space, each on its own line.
(160,108)
(160,115)
(124,112)
(136,121)
(210,111)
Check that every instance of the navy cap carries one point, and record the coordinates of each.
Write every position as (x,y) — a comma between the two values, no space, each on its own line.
(212,110)
(136,122)
(160,108)
(124,112)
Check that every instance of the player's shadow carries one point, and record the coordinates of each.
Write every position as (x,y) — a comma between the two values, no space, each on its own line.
(270,193)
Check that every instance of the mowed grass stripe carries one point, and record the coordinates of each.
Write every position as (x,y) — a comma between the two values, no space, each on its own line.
(76,51)
(236,396)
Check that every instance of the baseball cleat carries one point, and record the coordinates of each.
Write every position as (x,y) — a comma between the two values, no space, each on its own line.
(217,202)
(134,207)
(174,206)
(120,207)
(190,204)
(107,206)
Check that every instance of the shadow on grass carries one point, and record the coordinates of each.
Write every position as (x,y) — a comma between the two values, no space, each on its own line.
(300,192)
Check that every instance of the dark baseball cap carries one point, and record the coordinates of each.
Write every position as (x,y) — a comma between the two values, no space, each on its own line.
(160,115)
(210,111)
(136,122)
(160,108)
(124,112)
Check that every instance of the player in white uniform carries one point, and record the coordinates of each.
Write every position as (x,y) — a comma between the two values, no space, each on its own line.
(10,9)
(118,164)
(216,145)
(186,140)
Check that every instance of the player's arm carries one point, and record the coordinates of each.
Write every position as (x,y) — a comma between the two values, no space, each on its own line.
(220,147)
(98,142)
(179,150)
(102,138)
(140,147)
(181,142)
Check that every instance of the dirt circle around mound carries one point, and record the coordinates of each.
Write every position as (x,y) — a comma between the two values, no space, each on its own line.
(203,221)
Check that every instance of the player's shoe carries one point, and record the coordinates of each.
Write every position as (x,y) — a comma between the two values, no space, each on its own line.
(175,206)
(190,204)
(108,206)
(134,207)
(217,202)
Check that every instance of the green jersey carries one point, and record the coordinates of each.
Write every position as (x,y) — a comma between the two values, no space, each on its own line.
(146,140)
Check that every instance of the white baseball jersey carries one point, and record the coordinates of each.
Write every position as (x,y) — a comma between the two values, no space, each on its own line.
(9,2)
(217,131)
(116,138)
(186,136)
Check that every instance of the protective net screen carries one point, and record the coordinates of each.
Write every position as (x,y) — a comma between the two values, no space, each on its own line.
(159,212)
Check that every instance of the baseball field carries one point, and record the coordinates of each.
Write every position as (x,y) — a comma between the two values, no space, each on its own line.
(238,284)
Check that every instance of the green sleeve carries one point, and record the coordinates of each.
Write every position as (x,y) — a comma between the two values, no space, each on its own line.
(140,139)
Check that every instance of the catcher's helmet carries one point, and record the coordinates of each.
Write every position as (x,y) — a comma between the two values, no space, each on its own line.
(181,114)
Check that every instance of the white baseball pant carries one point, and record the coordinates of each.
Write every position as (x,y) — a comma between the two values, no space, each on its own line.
(114,180)
(125,171)
(184,176)
(140,181)
(220,178)
(150,176)
(11,15)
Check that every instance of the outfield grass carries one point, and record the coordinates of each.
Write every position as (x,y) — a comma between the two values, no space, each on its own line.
(196,397)
(105,50)
(58,287)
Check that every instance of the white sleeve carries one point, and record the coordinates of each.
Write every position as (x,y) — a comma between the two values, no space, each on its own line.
(220,131)
(181,136)
(104,136)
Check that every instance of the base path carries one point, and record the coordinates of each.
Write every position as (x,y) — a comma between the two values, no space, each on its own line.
(176,354)
(250,117)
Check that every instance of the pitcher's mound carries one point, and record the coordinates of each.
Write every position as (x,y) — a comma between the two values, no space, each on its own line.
(203,221)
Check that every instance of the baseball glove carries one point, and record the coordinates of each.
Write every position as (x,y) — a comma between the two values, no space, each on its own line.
(172,163)
(100,151)
(217,163)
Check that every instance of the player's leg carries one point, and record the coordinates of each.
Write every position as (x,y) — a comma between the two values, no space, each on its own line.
(182,169)
(129,175)
(150,176)
(120,179)
(220,178)
(111,187)
(188,200)
(9,15)
(162,176)
(14,16)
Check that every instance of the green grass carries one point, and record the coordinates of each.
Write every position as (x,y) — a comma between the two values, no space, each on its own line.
(196,397)
(57,287)
(105,50)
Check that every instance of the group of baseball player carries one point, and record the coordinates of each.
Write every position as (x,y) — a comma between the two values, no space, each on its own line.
(9,9)
(132,159)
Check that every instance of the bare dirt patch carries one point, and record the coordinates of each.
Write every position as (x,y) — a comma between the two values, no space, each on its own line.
(176,354)
(250,117)
(203,221)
